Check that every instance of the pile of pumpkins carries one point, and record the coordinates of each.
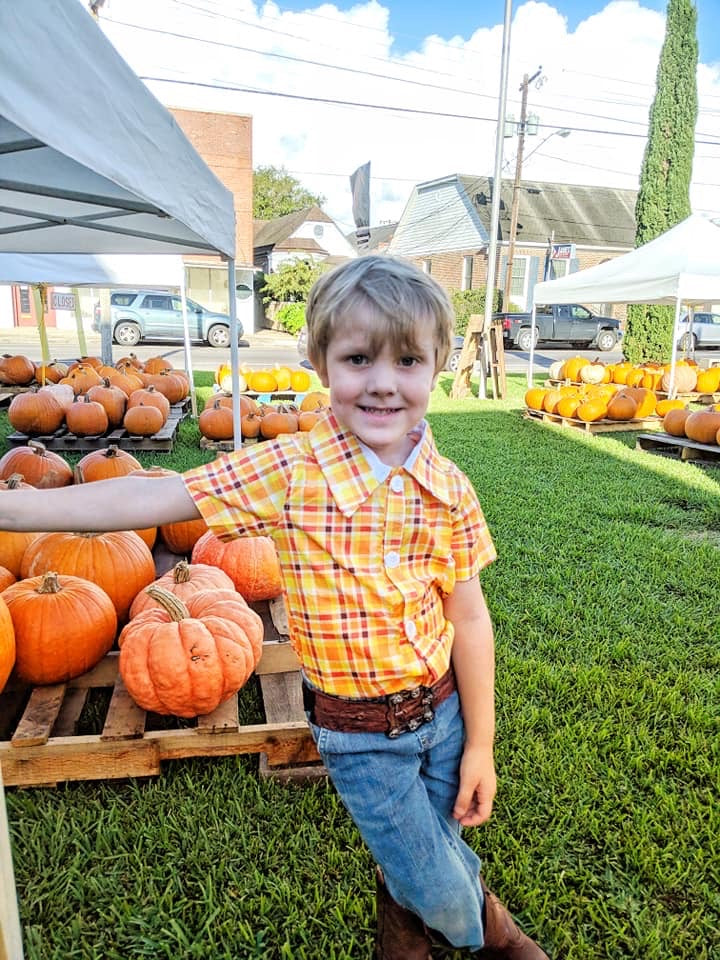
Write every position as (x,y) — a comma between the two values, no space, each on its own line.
(688,378)
(278,379)
(188,639)
(599,401)
(91,398)
(261,421)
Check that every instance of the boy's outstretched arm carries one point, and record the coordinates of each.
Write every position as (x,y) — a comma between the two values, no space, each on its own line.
(124,503)
(473,658)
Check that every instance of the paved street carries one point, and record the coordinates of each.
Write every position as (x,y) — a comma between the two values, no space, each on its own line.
(262,349)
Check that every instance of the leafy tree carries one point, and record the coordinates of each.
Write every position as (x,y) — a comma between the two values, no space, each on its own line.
(664,195)
(467,302)
(291,317)
(292,280)
(277,193)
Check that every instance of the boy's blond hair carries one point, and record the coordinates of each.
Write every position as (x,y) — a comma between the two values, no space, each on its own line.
(398,295)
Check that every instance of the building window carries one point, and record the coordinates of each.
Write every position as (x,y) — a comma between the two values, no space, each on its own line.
(467,273)
(427,266)
(318,229)
(518,284)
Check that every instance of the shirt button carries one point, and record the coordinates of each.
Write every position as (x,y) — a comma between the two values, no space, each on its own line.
(410,629)
(392,559)
(396,484)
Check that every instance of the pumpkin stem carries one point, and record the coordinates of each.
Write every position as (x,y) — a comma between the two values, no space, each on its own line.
(175,608)
(14,481)
(49,583)
(181,572)
(37,447)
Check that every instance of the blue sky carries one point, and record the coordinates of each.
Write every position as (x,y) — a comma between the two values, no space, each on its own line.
(411,20)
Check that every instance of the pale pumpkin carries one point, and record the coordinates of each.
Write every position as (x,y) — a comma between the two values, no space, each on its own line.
(185,659)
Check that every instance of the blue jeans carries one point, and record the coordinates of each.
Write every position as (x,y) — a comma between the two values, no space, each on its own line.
(400,793)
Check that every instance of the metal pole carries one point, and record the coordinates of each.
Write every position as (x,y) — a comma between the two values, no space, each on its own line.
(516,186)
(495,206)
(234,356)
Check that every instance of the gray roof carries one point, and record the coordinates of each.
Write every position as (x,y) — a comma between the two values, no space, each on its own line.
(585,215)
(268,233)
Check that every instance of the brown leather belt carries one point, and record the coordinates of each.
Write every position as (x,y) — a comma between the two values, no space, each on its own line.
(392,714)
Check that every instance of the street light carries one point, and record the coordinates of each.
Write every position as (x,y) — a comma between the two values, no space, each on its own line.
(562,132)
(553,133)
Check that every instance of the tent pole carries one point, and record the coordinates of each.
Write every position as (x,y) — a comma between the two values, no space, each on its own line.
(673,351)
(40,297)
(82,342)
(234,356)
(531,355)
(188,356)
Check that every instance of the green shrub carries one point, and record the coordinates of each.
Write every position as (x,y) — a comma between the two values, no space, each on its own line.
(467,302)
(291,317)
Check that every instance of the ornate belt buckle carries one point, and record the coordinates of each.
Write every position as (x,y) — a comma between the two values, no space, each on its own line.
(408,710)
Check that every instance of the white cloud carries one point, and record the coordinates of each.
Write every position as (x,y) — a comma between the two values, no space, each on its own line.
(598,79)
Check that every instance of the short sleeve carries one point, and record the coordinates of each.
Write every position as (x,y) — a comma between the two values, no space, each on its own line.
(243,492)
(472,545)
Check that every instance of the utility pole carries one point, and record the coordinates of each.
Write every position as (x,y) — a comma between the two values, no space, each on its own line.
(516,185)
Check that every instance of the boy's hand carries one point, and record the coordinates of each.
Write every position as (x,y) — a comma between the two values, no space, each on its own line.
(478,784)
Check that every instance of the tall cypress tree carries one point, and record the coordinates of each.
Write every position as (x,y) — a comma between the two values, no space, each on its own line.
(664,195)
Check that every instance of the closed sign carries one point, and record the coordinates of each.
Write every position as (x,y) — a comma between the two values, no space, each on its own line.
(62,301)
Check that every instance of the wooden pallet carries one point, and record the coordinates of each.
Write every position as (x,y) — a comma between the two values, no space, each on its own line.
(225,446)
(62,440)
(679,448)
(40,745)
(598,426)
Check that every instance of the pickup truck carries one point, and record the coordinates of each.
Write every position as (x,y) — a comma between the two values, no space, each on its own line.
(566,322)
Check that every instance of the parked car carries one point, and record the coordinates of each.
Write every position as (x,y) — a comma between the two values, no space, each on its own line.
(452,361)
(137,315)
(563,322)
(705,331)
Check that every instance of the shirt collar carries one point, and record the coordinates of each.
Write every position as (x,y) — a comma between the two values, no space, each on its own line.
(353,472)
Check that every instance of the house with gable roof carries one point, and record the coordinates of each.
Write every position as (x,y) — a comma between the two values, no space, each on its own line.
(445,229)
(305,234)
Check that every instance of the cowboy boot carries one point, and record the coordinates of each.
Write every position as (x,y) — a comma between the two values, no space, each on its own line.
(401,934)
(504,940)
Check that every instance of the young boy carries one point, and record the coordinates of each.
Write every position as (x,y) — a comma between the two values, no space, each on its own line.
(380,541)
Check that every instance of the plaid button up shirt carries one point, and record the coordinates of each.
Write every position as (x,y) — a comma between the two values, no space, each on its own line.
(367,552)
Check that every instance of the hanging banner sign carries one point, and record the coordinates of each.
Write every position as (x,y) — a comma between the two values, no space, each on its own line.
(562,251)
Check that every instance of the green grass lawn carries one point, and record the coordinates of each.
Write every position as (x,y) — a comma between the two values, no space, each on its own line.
(605,836)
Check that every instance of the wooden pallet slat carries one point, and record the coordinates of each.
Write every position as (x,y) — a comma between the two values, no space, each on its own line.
(597,426)
(39,716)
(44,748)
(679,448)
(62,440)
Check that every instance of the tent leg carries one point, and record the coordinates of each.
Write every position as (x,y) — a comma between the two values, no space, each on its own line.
(234,356)
(188,354)
(82,342)
(40,297)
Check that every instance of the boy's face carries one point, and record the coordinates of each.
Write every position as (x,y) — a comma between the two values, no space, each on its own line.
(379,395)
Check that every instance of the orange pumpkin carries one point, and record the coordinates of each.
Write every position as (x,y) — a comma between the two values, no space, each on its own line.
(534,398)
(7,644)
(112,399)
(708,381)
(216,421)
(664,406)
(17,371)
(183,580)
(13,544)
(143,420)
(185,659)
(38,466)
(674,421)
(567,406)
(592,410)
(35,413)
(551,400)
(6,577)
(250,562)
(300,381)
(63,625)
(622,406)
(50,372)
(105,464)
(157,365)
(702,426)
(275,423)
(152,397)
(315,400)
(86,417)
(119,562)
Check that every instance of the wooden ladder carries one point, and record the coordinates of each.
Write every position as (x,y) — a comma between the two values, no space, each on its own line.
(474,349)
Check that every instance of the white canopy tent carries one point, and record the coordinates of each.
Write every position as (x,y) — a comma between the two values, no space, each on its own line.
(90,161)
(155,271)
(682,266)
